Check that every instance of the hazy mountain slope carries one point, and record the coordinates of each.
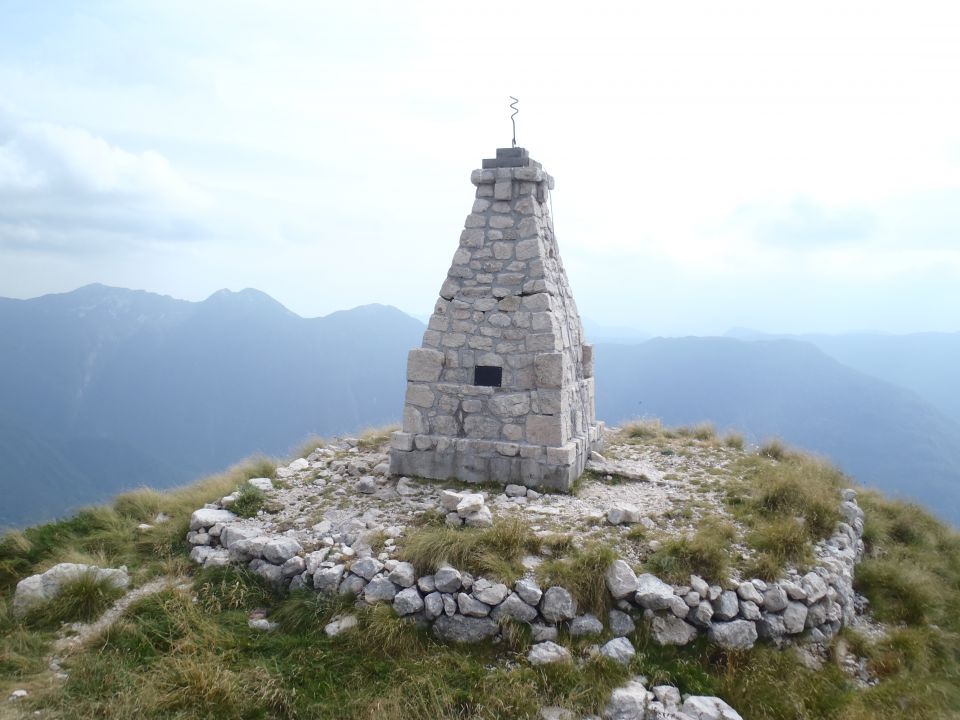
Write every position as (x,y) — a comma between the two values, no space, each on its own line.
(880,433)
(109,389)
(926,363)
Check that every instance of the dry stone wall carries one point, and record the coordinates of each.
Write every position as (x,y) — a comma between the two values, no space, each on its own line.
(462,608)
(502,388)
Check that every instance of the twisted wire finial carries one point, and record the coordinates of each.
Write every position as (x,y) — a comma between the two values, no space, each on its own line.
(512,121)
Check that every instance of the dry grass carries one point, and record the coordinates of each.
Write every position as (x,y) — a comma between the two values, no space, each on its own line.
(582,573)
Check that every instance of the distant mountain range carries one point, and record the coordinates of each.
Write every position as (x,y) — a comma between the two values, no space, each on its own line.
(104,389)
(927,363)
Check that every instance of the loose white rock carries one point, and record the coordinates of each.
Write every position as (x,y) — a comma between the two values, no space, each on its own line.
(547,652)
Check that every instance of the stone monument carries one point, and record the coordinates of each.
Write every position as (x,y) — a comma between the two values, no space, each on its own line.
(502,388)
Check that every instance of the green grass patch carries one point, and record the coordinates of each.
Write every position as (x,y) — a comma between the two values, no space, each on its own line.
(493,552)
(704,553)
(582,573)
(250,500)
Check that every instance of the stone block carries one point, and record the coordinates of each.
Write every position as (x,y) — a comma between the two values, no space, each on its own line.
(528,249)
(424,365)
(540,302)
(420,395)
(549,368)
(545,430)
(564,455)
(401,441)
(541,343)
(503,190)
(510,405)
(587,353)
(413,420)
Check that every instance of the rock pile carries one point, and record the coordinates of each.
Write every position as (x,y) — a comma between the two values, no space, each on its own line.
(633,701)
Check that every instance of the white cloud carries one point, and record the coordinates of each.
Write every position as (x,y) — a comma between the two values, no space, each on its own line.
(65,187)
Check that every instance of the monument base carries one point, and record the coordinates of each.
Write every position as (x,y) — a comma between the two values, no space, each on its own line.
(438,457)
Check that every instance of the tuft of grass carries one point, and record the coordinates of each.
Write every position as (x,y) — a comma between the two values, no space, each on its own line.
(775,449)
(229,587)
(493,552)
(250,500)
(642,429)
(375,438)
(582,573)
(80,600)
(704,553)
(734,440)
(701,431)
(314,442)
(784,539)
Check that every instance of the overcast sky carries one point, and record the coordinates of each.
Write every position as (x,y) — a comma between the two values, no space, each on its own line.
(787,167)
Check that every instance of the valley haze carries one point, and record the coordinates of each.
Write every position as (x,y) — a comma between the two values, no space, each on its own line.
(106,389)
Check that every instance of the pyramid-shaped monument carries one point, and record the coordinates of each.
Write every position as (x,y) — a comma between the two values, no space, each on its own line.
(502,388)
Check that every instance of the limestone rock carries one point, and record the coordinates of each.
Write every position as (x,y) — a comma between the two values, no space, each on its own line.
(628,702)
(794,617)
(461,629)
(814,587)
(433,605)
(280,549)
(774,599)
(469,504)
(208,517)
(480,519)
(340,624)
(727,606)
(328,579)
(380,589)
(701,707)
(619,649)
(514,608)
(366,567)
(621,623)
(748,591)
(447,580)
(528,590)
(449,499)
(558,605)
(621,580)
(734,635)
(585,625)
(671,630)
(652,593)
(407,601)
(622,514)
(547,652)
(472,607)
(488,592)
(403,575)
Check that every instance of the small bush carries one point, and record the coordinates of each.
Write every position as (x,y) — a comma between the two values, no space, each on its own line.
(582,573)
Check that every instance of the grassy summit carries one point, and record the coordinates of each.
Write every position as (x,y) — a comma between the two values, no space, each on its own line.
(187,651)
